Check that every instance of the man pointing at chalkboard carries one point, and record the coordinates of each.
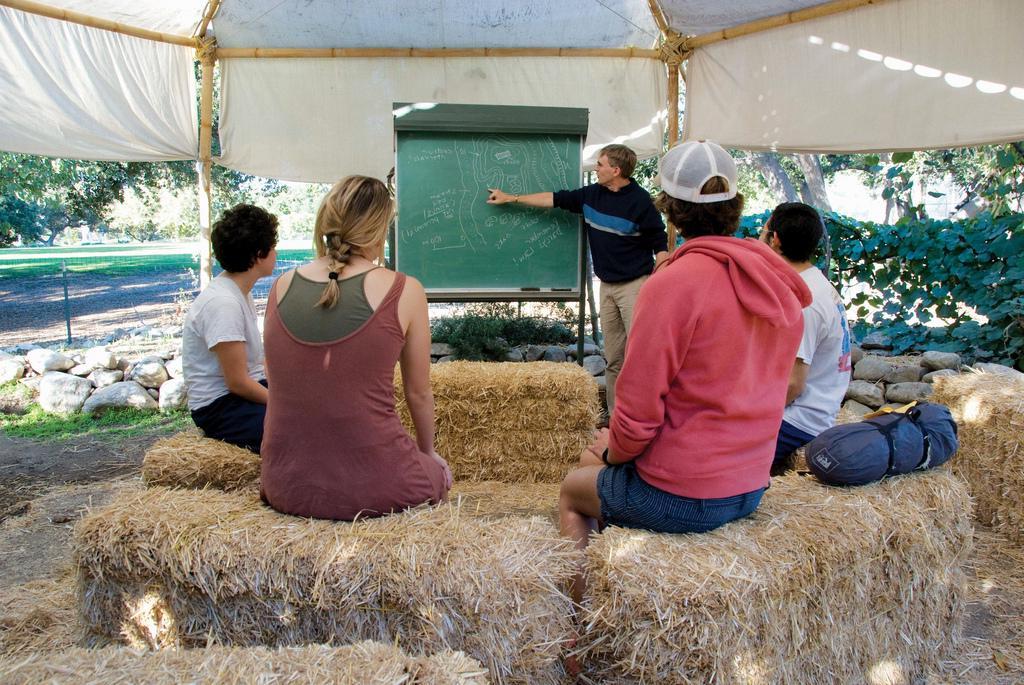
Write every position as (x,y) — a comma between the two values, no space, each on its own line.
(627,242)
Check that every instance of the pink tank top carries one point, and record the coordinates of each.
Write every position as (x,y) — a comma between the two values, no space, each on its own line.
(333,446)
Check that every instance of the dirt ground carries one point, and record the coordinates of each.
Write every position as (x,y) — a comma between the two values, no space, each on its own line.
(32,309)
(46,488)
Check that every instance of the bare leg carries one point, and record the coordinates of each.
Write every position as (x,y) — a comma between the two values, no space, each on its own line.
(579,509)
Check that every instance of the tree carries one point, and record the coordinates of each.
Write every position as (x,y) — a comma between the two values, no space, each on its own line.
(42,196)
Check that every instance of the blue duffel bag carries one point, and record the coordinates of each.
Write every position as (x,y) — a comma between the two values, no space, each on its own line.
(916,437)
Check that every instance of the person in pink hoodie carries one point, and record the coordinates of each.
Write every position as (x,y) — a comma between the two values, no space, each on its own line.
(703,387)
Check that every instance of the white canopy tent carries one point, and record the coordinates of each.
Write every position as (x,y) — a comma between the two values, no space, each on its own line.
(307,88)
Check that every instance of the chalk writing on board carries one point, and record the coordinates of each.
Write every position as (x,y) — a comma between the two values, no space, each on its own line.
(448,236)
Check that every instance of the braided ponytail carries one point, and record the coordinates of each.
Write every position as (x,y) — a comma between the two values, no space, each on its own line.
(339,252)
(352,218)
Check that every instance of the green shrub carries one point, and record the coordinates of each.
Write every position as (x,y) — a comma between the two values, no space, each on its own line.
(953,271)
(489,337)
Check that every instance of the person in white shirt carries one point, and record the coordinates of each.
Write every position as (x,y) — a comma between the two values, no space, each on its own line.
(222,348)
(821,372)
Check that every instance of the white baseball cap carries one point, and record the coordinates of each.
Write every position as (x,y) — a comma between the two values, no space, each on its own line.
(685,169)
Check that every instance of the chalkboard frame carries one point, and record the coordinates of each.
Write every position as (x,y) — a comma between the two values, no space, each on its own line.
(498,119)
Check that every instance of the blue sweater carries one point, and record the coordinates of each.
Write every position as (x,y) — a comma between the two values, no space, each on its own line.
(624,229)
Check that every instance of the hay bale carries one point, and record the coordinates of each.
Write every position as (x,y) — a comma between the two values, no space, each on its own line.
(38,616)
(989,412)
(358,664)
(510,422)
(189,460)
(515,423)
(180,567)
(820,585)
(493,500)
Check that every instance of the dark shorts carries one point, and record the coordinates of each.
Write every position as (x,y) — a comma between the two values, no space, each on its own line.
(627,500)
(789,441)
(233,419)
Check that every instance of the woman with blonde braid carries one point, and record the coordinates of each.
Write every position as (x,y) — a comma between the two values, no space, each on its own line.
(333,445)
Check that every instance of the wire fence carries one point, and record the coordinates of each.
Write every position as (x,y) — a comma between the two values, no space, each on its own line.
(57,294)
(89,293)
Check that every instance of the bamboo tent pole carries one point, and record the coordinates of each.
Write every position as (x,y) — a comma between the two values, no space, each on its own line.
(42,10)
(773,22)
(207,55)
(673,56)
(285,53)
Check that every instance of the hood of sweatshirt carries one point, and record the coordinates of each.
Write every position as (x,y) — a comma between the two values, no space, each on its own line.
(766,285)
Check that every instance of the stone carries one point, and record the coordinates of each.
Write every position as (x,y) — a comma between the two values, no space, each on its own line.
(856,408)
(554,354)
(932,375)
(32,383)
(907,392)
(1000,369)
(62,393)
(440,349)
(602,383)
(535,353)
(933,361)
(904,373)
(872,368)
(876,341)
(100,358)
(866,393)
(174,368)
(123,364)
(101,378)
(11,369)
(173,395)
(513,355)
(123,394)
(43,360)
(445,359)
(154,393)
(150,373)
(594,364)
(82,370)
(6,355)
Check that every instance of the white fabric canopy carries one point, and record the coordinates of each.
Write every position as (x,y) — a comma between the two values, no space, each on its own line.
(901,75)
(73,91)
(319,119)
(436,23)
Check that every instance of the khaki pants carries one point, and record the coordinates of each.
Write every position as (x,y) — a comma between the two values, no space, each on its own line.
(617,300)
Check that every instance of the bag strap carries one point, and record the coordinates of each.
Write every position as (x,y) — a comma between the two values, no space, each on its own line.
(909,412)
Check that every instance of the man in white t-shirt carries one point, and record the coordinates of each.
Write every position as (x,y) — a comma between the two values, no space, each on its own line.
(821,372)
(222,348)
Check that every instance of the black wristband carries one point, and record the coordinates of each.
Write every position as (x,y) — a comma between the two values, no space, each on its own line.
(604,457)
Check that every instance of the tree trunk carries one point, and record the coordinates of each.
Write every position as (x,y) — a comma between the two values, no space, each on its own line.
(817,194)
(775,176)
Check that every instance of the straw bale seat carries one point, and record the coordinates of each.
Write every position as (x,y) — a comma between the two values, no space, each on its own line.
(364,663)
(510,422)
(165,567)
(189,460)
(820,585)
(989,412)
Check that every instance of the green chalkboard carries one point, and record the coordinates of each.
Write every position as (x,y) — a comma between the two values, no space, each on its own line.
(455,243)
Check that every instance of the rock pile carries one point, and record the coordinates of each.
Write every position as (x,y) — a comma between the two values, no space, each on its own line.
(879,381)
(96,379)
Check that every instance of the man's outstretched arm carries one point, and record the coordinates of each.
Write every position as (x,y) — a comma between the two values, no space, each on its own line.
(500,197)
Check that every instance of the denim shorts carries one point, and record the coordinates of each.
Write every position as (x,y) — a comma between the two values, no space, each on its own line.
(628,501)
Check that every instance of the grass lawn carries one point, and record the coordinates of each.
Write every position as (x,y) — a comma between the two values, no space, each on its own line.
(113,425)
(115,259)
